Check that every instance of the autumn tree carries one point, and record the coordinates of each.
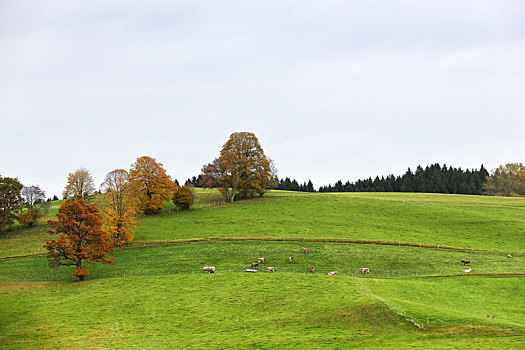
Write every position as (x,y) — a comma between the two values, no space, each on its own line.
(242,168)
(34,199)
(183,197)
(80,184)
(82,237)
(154,185)
(11,201)
(117,206)
(506,180)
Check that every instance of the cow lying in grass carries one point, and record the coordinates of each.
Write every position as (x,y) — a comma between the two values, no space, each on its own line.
(290,259)
(467,270)
(261,260)
(509,256)
(364,270)
(305,250)
(270,269)
(465,262)
(333,273)
(208,269)
(311,268)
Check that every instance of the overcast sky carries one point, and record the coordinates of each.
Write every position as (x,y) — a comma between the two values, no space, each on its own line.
(332,89)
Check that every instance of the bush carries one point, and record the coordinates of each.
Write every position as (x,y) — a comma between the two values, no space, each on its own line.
(183,197)
(28,218)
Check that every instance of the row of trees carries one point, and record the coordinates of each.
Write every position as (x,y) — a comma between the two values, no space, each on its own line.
(432,179)
(292,185)
(26,204)
(90,231)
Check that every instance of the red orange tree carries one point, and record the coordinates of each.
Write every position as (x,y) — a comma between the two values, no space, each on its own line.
(81,237)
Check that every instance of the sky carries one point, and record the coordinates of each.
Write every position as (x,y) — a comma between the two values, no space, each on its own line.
(332,89)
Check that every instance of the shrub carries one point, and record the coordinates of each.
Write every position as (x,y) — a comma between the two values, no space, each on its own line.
(183,197)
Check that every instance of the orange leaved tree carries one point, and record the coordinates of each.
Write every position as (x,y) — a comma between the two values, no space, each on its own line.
(118,209)
(154,184)
(242,168)
(81,237)
(80,184)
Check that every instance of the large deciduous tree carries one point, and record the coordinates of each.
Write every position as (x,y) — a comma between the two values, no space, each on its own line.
(118,209)
(506,180)
(242,169)
(11,201)
(80,184)
(82,237)
(154,185)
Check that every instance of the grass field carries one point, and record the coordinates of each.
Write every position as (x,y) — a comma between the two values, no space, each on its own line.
(156,296)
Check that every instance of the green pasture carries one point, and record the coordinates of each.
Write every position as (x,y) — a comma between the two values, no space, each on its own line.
(156,295)
(235,257)
(218,311)
(455,300)
(495,225)
(483,222)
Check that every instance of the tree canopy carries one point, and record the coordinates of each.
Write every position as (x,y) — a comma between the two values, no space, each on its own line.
(11,201)
(82,237)
(154,185)
(506,180)
(80,184)
(117,206)
(242,169)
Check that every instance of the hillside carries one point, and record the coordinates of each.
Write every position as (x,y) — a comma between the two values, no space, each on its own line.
(156,296)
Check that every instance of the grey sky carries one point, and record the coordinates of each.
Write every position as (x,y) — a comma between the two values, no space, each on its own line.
(332,89)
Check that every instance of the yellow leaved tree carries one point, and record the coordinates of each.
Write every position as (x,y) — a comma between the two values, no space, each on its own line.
(80,184)
(118,208)
(154,185)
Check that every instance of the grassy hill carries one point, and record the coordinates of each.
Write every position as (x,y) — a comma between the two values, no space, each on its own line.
(156,296)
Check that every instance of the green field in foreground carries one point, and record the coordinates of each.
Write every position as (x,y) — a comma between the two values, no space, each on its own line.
(219,311)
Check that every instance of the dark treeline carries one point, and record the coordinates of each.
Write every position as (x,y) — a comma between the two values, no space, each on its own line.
(194,181)
(293,185)
(432,179)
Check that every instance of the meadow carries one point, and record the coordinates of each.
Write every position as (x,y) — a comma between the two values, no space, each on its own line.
(156,295)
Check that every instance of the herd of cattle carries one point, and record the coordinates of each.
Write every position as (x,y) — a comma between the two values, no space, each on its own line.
(311,268)
(255,266)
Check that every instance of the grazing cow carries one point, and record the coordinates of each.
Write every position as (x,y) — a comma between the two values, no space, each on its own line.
(364,270)
(467,270)
(261,260)
(509,256)
(311,268)
(208,269)
(270,269)
(305,250)
(465,262)
(255,264)
(333,273)
(290,259)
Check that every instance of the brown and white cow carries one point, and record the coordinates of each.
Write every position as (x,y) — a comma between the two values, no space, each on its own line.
(364,270)
(261,260)
(333,273)
(305,250)
(270,269)
(311,268)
